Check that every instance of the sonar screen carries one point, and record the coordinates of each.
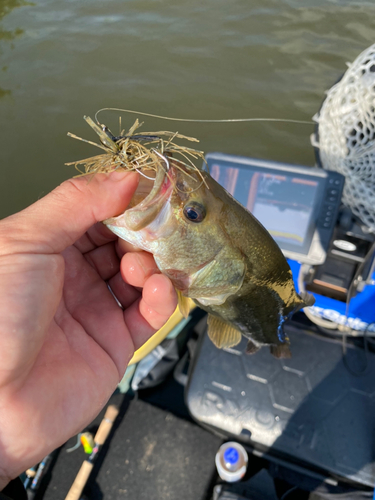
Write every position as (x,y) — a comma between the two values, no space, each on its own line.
(297,205)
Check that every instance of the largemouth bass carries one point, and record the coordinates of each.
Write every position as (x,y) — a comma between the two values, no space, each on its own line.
(216,253)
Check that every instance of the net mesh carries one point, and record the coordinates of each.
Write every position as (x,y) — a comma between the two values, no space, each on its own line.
(346,135)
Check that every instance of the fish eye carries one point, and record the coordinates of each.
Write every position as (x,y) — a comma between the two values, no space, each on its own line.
(195,212)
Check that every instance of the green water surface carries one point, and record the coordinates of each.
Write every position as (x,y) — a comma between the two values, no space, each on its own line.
(197,59)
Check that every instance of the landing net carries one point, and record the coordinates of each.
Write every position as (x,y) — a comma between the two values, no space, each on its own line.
(346,135)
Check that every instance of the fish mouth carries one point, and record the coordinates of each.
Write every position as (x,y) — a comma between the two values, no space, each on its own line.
(152,192)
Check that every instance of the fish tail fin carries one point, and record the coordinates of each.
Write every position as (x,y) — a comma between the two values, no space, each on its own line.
(280,351)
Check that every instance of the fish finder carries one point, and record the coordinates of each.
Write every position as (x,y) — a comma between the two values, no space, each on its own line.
(297,205)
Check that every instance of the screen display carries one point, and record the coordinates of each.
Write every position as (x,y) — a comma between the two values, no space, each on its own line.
(284,202)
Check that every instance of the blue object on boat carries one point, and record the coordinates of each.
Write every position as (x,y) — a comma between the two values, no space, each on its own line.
(231,456)
(361,314)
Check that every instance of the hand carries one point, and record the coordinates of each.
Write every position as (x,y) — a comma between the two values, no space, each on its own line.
(64,341)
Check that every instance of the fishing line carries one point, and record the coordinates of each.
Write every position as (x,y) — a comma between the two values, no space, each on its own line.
(164,158)
(191,120)
(366,366)
(286,494)
(351,292)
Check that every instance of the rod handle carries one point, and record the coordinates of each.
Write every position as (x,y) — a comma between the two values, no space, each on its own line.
(80,481)
(101,435)
(106,425)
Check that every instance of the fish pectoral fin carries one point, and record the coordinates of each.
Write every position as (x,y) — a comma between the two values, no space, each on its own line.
(222,334)
(251,348)
(183,304)
(281,351)
(222,276)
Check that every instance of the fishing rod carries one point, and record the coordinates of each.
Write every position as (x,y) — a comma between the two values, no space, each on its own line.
(101,436)
(36,474)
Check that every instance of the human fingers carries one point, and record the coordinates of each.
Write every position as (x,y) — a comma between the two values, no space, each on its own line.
(152,311)
(137,267)
(159,300)
(90,303)
(124,247)
(97,235)
(124,293)
(104,260)
(59,219)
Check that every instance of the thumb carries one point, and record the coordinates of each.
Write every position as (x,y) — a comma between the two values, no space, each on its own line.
(59,219)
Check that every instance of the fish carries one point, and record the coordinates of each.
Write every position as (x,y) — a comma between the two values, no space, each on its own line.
(216,253)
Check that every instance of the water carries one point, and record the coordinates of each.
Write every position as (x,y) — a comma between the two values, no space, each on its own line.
(196,59)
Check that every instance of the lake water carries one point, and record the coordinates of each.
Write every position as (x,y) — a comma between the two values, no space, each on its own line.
(198,59)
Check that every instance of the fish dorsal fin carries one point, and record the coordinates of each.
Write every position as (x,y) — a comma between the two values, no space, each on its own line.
(222,334)
(183,304)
